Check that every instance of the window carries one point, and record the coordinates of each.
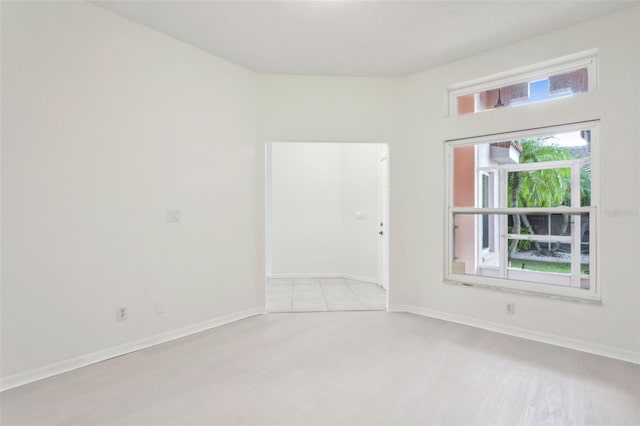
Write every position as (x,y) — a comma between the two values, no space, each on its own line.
(554,79)
(521,211)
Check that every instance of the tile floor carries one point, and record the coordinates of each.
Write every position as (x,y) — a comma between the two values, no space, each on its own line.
(324,294)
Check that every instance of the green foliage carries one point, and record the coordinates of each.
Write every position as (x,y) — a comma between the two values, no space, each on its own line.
(559,268)
(523,245)
(540,188)
(585,187)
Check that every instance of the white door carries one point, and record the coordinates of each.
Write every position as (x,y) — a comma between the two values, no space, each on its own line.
(383,231)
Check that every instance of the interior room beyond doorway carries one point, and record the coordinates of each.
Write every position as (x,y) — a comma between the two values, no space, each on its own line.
(326,241)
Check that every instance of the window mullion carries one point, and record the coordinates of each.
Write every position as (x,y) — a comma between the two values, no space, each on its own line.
(576,228)
(503,246)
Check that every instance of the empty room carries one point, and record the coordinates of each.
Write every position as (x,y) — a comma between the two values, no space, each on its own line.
(173,251)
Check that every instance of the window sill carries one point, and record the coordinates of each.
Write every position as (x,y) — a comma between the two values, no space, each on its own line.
(512,287)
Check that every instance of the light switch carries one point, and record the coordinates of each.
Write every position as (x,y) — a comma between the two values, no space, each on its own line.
(173,215)
(360,215)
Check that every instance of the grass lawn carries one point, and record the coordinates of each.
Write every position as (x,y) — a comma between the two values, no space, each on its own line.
(534,265)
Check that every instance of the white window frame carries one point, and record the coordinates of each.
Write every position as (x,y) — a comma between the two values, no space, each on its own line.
(587,59)
(452,275)
(488,254)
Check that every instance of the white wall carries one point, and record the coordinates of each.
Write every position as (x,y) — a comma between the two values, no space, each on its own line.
(411,115)
(317,188)
(306,208)
(360,194)
(418,191)
(330,109)
(105,126)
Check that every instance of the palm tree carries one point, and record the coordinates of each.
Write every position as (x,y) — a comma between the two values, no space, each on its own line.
(538,188)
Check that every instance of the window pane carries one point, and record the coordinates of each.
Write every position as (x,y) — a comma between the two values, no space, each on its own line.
(540,224)
(549,267)
(585,241)
(546,259)
(477,168)
(464,176)
(539,188)
(570,82)
(541,89)
(464,251)
(503,96)
(523,255)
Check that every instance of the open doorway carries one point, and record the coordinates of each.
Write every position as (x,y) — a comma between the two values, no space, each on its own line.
(326,226)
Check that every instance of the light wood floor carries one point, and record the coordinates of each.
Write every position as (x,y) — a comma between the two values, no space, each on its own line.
(348,368)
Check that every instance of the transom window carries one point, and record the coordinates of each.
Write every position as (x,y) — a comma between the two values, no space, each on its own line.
(542,82)
(521,211)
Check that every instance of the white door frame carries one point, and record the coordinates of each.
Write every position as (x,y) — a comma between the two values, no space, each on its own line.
(268,177)
(383,220)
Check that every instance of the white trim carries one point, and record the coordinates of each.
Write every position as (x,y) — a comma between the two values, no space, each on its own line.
(361,278)
(512,76)
(326,275)
(383,219)
(525,287)
(34,375)
(593,294)
(306,275)
(268,201)
(591,125)
(523,210)
(551,339)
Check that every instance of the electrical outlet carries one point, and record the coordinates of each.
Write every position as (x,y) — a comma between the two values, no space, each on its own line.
(510,308)
(121,313)
(161,306)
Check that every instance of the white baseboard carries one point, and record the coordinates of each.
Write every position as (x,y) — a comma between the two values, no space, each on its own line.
(30,376)
(306,275)
(552,339)
(361,278)
(325,275)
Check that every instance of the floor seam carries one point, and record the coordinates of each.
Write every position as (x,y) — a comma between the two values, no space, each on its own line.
(324,296)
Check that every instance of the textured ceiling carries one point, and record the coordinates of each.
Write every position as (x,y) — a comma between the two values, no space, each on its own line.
(356,38)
